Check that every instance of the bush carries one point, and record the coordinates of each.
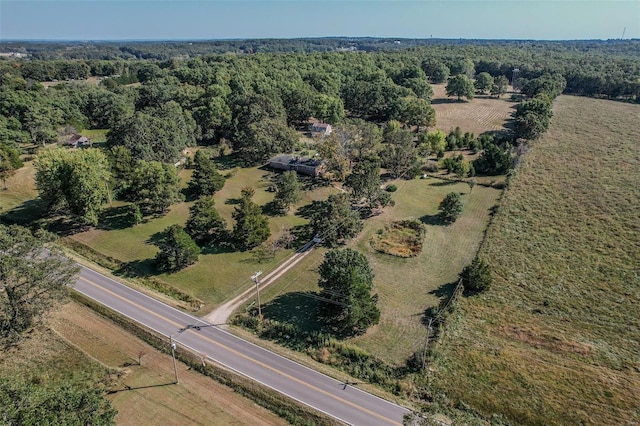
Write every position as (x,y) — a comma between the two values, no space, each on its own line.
(476,277)
(450,208)
(391,188)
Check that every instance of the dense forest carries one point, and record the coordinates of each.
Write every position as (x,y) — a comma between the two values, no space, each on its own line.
(186,94)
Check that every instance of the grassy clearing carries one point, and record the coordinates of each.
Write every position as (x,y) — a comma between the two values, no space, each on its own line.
(555,340)
(18,202)
(144,394)
(406,287)
(482,114)
(219,274)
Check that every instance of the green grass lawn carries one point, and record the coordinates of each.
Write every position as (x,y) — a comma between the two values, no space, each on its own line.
(555,340)
(218,275)
(406,287)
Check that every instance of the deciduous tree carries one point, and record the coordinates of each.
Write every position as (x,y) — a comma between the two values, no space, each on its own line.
(460,86)
(364,182)
(34,275)
(484,82)
(335,220)
(154,187)
(75,180)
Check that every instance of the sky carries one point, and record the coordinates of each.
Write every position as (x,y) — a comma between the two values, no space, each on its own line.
(224,19)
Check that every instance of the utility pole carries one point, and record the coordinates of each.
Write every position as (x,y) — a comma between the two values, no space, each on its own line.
(426,344)
(255,279)
(173,354)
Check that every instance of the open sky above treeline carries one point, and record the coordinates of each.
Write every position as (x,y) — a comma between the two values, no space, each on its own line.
(213,19)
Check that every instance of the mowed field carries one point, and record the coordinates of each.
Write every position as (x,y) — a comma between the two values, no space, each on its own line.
(482,114)
(79,346)
(555,340)
(406,287)
(219,274)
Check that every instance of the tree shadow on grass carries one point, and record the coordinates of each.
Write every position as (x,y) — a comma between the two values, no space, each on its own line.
(272,209)
(433,219)
(444,293)
(25,213)
(232,201)
(227,162)
(115,218)
(307,210)
(138,269)
(302,309)
(443,183)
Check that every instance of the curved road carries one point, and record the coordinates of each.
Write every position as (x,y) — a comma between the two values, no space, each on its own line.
(343,402)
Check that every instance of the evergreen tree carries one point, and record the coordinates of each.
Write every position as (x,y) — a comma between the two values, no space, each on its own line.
(477,276)
(450,208)
(205,225)
(347,280)
(177,249)
(154,187)
(251,227)
(287,191)
(206,180)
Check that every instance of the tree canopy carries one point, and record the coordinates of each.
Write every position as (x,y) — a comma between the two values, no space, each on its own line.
(34,275)
(287,191)
(346,280)
(205,180)
(461,86)
(335,220)
(252,227)
(450,207)
(205,225)
(177,249)
(75,180)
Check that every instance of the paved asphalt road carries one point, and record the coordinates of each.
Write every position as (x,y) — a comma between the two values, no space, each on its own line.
(346,403)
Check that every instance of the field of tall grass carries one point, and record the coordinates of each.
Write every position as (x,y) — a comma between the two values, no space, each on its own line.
(555,340)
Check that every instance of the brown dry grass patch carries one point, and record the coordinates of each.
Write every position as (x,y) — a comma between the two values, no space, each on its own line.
(402,239)
(482,114)
(144,394)
(555,340)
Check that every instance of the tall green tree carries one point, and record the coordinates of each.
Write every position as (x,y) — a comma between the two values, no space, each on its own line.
(460,86)
(177,249)
(75,180)
(154,187)
(156,133)
(205,225)
(364,182)
(287,191)
(500,85)
(252,227)
(484,82)
(433,143)
(477,276)
(493,161)
(450,208)
(399,154)
(335,220)
(533,117)
(346,279)
(416,112)
(206,180)
(34,274)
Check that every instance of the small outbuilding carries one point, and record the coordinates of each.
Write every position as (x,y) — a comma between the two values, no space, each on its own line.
(302,165)
(76,141)
(320,129)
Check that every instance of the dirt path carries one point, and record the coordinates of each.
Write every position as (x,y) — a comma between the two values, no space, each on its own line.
(221,314)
